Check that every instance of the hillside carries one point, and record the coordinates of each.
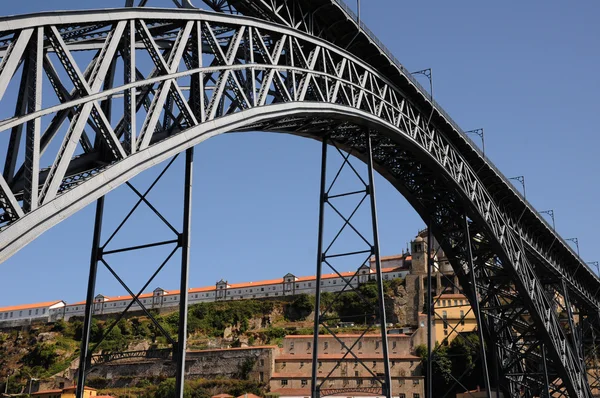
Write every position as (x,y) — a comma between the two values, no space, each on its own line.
(50,352)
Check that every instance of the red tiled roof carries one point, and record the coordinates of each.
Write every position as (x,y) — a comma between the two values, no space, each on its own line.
(348,358)
(29,306)
(222,396)
(213,288)
(47,392)
(356,336)
(248,396)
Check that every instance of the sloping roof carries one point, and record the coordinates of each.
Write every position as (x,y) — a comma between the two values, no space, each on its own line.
(30,306)
(222,396)
(248,396)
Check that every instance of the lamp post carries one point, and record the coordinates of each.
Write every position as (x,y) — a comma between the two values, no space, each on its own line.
(478,132)
(429,75)
(521,179)
(551,214)
(576,241)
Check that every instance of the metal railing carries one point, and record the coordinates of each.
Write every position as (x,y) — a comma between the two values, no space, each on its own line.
(428,97)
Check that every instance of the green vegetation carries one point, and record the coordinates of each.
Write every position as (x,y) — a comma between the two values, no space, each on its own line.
(455,359)
(44,351)
(202,388)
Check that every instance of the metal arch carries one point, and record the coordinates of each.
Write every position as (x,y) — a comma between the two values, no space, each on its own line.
(265,76)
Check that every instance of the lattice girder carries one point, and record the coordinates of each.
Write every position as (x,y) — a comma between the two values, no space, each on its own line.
(203,74)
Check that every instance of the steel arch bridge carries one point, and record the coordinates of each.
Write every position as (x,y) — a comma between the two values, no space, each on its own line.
(90,114)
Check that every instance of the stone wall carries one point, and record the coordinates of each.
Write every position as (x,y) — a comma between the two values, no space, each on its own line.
(252,363)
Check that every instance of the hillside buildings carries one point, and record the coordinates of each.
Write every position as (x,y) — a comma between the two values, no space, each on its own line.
(293,365)
(449,309)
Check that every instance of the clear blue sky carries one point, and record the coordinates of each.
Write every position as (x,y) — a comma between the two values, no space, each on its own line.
(527,72)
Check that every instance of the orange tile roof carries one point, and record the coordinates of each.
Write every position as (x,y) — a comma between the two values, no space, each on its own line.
(248,396)
(28,306)
(335,357)
(241,285)
(451,296)
(222,396)
(47,392)
(355,336)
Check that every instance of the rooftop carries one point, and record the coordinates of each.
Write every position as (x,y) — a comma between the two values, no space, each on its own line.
(30,306)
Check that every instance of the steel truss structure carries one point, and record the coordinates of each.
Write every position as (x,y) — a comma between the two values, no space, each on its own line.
(100,254)
(178,77)
(360,256)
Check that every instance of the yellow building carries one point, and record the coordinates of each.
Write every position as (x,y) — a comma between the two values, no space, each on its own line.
(453,315)
(67,392)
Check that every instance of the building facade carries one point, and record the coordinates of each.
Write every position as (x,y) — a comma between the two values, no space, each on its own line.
(293,366)
(289,285)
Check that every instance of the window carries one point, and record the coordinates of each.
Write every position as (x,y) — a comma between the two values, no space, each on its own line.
(301,364)
(262,362)
(283,364)
(309,285)
(297,286)
(356,373)
(261,377)
(393,363)
(402,395)
(308,345)
(394,345)
(43,311)
(377,344)
(284,382)
(374,363)
(320,363)
(20,313)
(456,302)
(416,395)
(11,314)
(262,289)
(462,318)
(36,311)
(325,345)
(291,345)
(373,382)
(360,345)
(359,382)
(416,382)
(304,382)
(346,382)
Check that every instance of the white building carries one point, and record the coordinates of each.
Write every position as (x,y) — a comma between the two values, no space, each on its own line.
(288,285)
(26,313)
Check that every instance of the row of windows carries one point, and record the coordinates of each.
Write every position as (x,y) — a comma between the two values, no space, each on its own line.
(448,303)
(12,313)
(360,344)
(359,382)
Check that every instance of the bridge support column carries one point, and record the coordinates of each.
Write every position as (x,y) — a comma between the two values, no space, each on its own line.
(184,242)
(546,389)
(477,310)
(89,301)
(364,257)
(429,307)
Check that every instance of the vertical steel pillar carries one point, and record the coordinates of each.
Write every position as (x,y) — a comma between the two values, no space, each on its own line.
(387,388)
(430,310)
(184,242)
(546,379)
(89,302)
(476,309)
(315,393)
